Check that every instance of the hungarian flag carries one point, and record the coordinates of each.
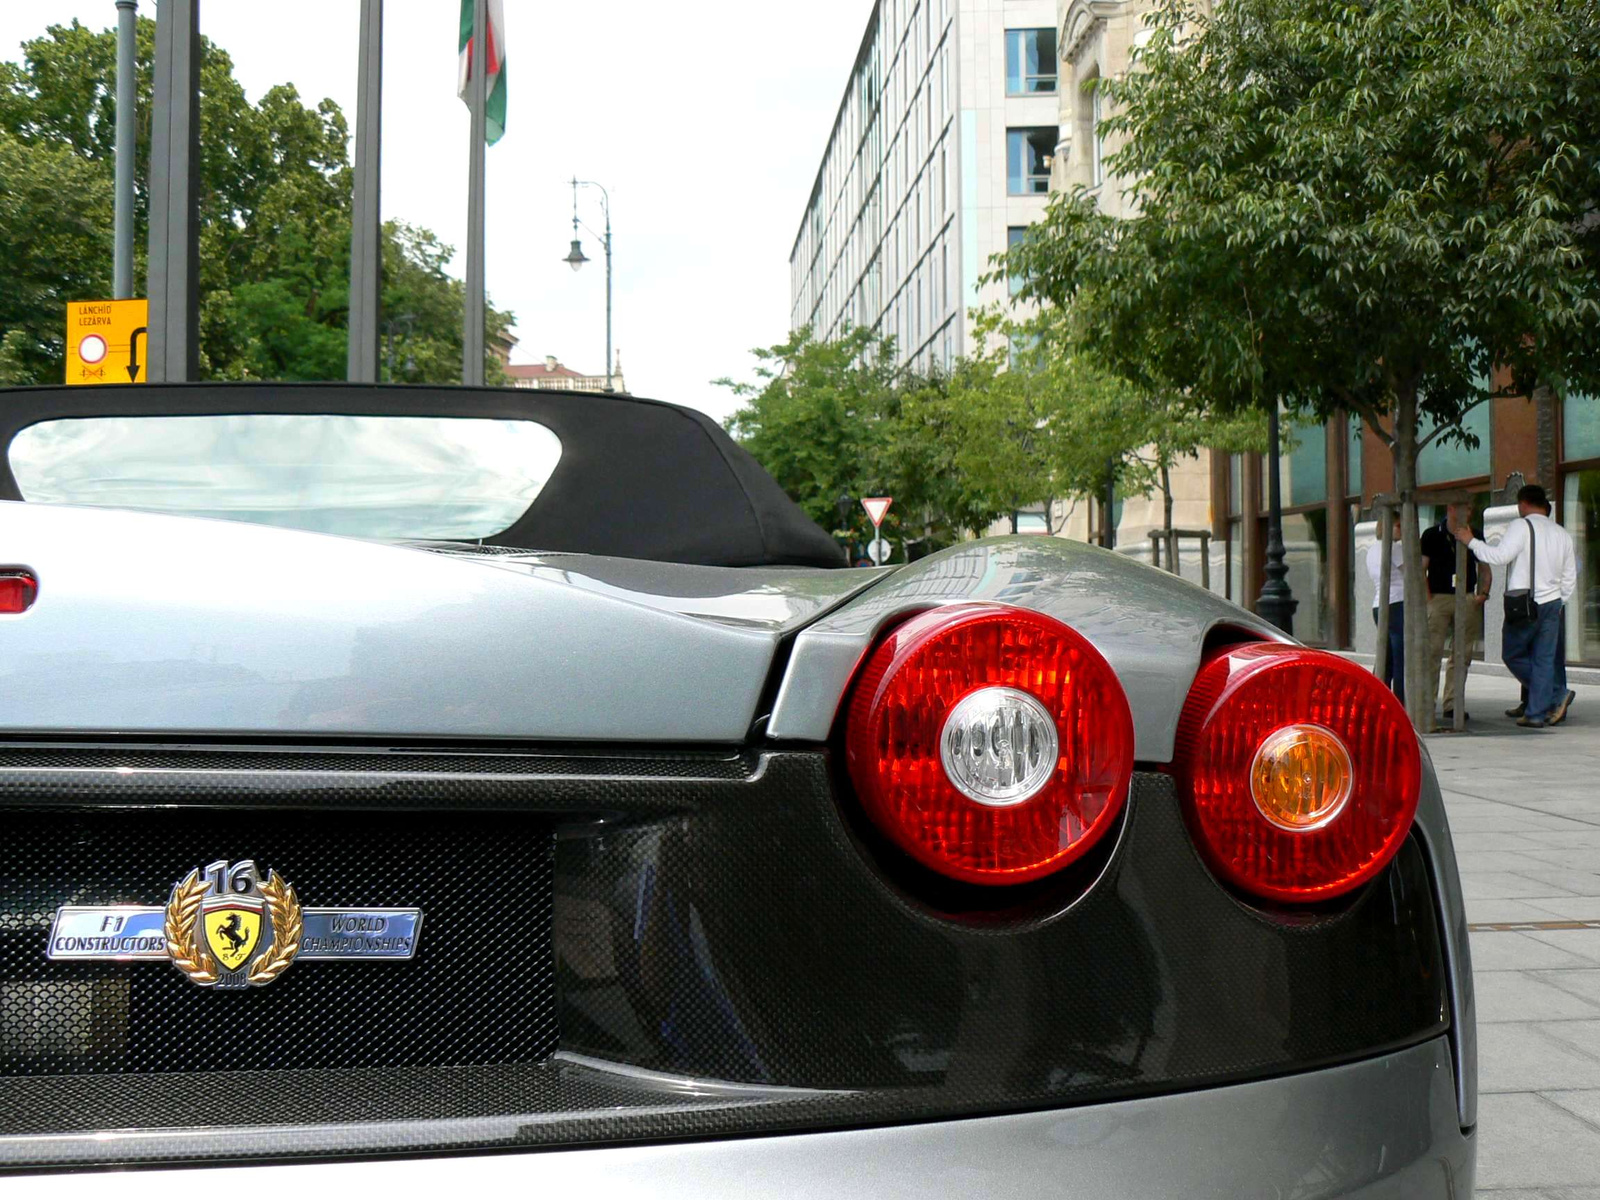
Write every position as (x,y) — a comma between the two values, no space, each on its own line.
(494,110)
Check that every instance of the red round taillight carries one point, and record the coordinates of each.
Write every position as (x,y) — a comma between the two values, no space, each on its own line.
(1300,771)
(992,744)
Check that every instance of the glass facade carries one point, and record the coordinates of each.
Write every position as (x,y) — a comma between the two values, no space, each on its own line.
(1358,434)
(1580,427)
(1235,584)
(1305,467)
(1015,234)
(1441,463)
(1028,154)
(1030,61)
(1581,512)
(880,246)
(1305,542)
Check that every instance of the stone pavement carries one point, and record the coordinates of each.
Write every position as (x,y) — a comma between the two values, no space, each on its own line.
(1524,810)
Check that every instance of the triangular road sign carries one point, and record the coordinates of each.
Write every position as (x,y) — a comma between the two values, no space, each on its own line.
(877,507)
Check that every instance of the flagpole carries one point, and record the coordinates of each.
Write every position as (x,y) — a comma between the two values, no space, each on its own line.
(122,212)
(366,229)
(477,94)
(173,265)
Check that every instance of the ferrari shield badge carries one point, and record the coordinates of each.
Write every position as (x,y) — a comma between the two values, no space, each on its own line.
(228,926)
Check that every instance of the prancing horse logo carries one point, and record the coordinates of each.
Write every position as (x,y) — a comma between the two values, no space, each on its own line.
(229,932)
(227,927)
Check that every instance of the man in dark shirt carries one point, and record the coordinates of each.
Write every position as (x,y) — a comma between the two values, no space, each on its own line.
(1438,548)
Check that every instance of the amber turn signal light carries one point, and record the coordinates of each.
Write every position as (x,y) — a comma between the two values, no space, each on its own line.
(1299,771)
(1301,778)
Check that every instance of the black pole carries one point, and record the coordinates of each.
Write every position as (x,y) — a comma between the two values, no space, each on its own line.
(1276,604)
(1111,504)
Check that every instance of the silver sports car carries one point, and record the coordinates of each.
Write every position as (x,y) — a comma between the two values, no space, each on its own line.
(509,786)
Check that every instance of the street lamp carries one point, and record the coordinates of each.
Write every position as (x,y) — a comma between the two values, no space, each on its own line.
(409,320)
(576,258)
(844,505)
(1276,603)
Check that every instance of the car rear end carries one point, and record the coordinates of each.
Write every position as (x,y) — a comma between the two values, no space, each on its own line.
(701,905)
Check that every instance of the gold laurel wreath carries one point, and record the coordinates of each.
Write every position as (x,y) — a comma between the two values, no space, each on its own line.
(284,910)
(190,957)
(183,912)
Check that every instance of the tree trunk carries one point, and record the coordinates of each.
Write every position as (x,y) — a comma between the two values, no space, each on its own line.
(1166,519)
(1418,694)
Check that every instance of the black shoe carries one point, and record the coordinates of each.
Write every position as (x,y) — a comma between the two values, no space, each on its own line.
(1532,722)
(1449,715)
(1517,711)
(1560,714)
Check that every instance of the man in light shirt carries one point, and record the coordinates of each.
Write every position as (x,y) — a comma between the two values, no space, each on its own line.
(1531,647)
(1395,666)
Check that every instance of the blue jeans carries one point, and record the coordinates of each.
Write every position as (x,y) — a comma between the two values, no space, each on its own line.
(1530,652)
(1395,674)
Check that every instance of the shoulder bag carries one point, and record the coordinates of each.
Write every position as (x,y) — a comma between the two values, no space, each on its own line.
(1521,608)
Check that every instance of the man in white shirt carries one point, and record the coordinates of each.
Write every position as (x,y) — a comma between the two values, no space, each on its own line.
(1530,647)
(1395,666)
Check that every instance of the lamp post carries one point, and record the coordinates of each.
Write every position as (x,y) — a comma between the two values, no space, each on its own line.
(844,505)
(576,257)
(409,320)
(1276,603)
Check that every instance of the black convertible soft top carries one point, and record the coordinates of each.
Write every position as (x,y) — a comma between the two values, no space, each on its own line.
(636,478)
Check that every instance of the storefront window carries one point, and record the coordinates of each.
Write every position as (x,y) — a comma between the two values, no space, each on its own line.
(1357,436)
(1580,420)
(1305,543)
(1440,463)
(1235,559)
(1581,510)
(1305,468)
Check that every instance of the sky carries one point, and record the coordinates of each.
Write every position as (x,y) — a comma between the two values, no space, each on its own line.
(705,122)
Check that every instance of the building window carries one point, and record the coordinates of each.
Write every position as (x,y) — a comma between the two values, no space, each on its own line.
(1358,428)
(1030,61)
(1305,467)
(1014,235)
(1028,160)
(1580,510)
(1097,144)
(1580,427)
(1440,463)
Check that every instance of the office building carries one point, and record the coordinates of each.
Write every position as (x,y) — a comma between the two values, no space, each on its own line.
(940,153)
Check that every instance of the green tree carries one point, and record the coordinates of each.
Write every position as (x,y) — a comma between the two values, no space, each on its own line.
(1344,205)
(274,211)
(832,418)
(1070,428)
(50,251)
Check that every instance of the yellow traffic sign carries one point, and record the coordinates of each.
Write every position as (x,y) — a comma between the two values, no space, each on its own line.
(107,341)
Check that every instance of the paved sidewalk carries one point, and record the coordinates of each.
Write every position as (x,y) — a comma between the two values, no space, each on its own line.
(1524,809)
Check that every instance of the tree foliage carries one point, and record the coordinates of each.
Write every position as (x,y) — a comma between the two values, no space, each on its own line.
(274,220)
(1344,204)
(839,418)
(1003,430)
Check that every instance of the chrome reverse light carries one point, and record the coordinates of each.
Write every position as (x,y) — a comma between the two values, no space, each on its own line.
(999,746)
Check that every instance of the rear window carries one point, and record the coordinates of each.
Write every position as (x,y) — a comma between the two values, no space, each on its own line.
(456,478)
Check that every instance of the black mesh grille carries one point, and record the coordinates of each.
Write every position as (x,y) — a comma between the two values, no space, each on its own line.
(478,992)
